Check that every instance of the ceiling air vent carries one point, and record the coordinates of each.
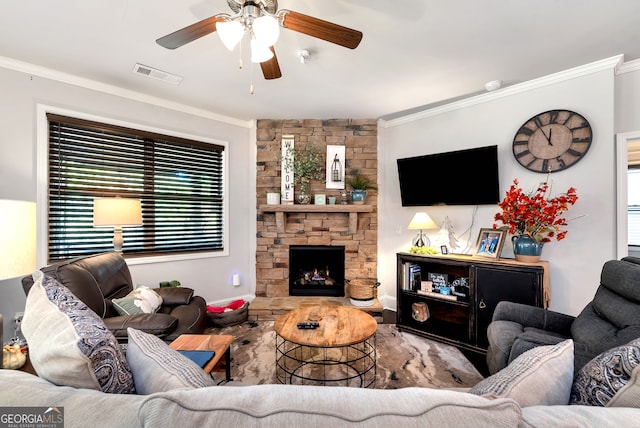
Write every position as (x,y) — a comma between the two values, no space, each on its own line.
(154,73)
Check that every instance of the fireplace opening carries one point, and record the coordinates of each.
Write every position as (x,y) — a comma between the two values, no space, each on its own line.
(316,270)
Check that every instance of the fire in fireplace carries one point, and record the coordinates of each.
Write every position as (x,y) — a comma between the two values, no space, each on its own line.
(316,270)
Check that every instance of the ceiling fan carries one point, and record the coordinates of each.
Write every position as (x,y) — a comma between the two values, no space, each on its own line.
(261,19)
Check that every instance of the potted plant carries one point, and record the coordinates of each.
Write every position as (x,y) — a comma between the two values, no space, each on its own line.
(273,198)
(534,218)
(360,184)
(307,166)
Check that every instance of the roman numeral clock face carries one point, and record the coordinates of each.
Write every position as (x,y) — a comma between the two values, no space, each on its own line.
(552,141)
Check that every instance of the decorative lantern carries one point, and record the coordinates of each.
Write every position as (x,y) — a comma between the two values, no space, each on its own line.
(336,169)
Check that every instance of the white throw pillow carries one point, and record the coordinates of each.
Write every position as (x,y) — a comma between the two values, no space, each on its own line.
(157,368)
(142,300)
(542,376)
(68,343)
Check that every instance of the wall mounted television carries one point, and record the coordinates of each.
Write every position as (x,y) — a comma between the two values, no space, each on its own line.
(463,177)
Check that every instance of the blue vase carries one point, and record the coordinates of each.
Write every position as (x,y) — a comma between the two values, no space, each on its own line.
(526,249)
(358,196)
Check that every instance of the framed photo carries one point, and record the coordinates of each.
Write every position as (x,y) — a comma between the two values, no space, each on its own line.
(490,242)
(443,249)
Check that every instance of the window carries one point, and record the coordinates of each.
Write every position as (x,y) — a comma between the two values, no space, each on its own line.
(633,227)
(178,181)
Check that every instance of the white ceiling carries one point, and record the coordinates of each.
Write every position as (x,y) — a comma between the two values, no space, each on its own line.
(414,52)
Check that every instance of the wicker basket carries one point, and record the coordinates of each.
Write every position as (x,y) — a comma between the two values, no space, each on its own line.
(359,291)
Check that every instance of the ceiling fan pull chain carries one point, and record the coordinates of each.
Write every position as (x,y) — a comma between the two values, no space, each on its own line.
(251,79)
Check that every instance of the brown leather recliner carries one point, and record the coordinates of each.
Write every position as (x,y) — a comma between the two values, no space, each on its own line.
(98,279)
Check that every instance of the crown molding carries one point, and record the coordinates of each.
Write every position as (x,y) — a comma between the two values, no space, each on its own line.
(612,63)
(59,76)
(629,66)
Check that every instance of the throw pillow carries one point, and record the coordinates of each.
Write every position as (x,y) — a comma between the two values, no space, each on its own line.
(156,367)
(628,395)
(540,376)
(68,343)
(601,378)
(142,300)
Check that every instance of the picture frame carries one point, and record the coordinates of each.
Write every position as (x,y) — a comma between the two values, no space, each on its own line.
(443,249)
(489,243)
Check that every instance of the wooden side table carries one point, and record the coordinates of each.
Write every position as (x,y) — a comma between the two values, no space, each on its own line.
(219,343)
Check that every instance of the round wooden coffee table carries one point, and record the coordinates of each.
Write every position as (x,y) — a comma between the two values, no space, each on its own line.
(341,351)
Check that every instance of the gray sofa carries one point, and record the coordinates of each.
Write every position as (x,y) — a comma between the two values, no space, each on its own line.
(289,405)
(533,391)
(84,374)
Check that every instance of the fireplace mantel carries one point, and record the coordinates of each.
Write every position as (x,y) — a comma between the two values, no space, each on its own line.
(281,210)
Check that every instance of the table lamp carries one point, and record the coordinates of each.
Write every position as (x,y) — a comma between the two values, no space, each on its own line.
(117,212)
(421,221)
(18,239)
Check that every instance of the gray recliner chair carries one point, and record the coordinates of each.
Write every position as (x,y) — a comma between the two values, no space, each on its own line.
(611,319)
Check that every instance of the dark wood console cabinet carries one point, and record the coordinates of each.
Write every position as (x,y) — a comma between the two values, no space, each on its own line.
(463,321)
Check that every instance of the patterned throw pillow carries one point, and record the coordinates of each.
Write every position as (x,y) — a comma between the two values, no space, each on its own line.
(69,344)
(157,368)
(601,378)
(540,376)
(142,300)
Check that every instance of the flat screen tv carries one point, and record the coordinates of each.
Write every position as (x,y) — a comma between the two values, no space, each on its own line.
(463,177)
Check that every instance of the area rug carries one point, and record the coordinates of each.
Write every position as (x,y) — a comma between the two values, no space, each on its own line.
(403,359)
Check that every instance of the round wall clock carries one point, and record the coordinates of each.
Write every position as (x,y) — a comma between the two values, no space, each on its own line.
(552,141)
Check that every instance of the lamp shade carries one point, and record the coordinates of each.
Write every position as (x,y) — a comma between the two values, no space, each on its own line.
(230,32)
(17,238)
(266,30)
(260,52)
(422,221)
(117,212)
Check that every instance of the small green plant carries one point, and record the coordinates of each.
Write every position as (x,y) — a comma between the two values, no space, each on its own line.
(174,283)
(307,164)
(360,182)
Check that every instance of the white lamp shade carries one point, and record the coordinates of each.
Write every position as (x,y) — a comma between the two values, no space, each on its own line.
(260,52)
(117,212)
(17,238)
(422,221)
(230,32)
(266,30)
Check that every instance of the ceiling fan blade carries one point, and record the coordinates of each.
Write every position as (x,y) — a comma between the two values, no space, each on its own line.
(321,29)
(271,68)
(190,33)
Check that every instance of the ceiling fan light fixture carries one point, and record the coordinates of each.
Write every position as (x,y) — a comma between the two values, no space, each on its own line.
(266,30)
(260,52)
(230,32)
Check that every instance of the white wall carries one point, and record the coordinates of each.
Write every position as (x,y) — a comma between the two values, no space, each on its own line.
(22,92)
(575,262)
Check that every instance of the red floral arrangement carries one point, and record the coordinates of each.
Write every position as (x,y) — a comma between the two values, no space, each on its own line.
(534,213)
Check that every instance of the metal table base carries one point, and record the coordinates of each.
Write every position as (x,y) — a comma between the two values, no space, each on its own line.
(350,365)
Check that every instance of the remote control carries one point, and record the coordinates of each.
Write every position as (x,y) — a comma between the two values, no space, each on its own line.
(308,325)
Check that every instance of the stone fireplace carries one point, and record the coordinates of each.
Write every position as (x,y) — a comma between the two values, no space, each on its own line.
(312,225)
(316,270)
